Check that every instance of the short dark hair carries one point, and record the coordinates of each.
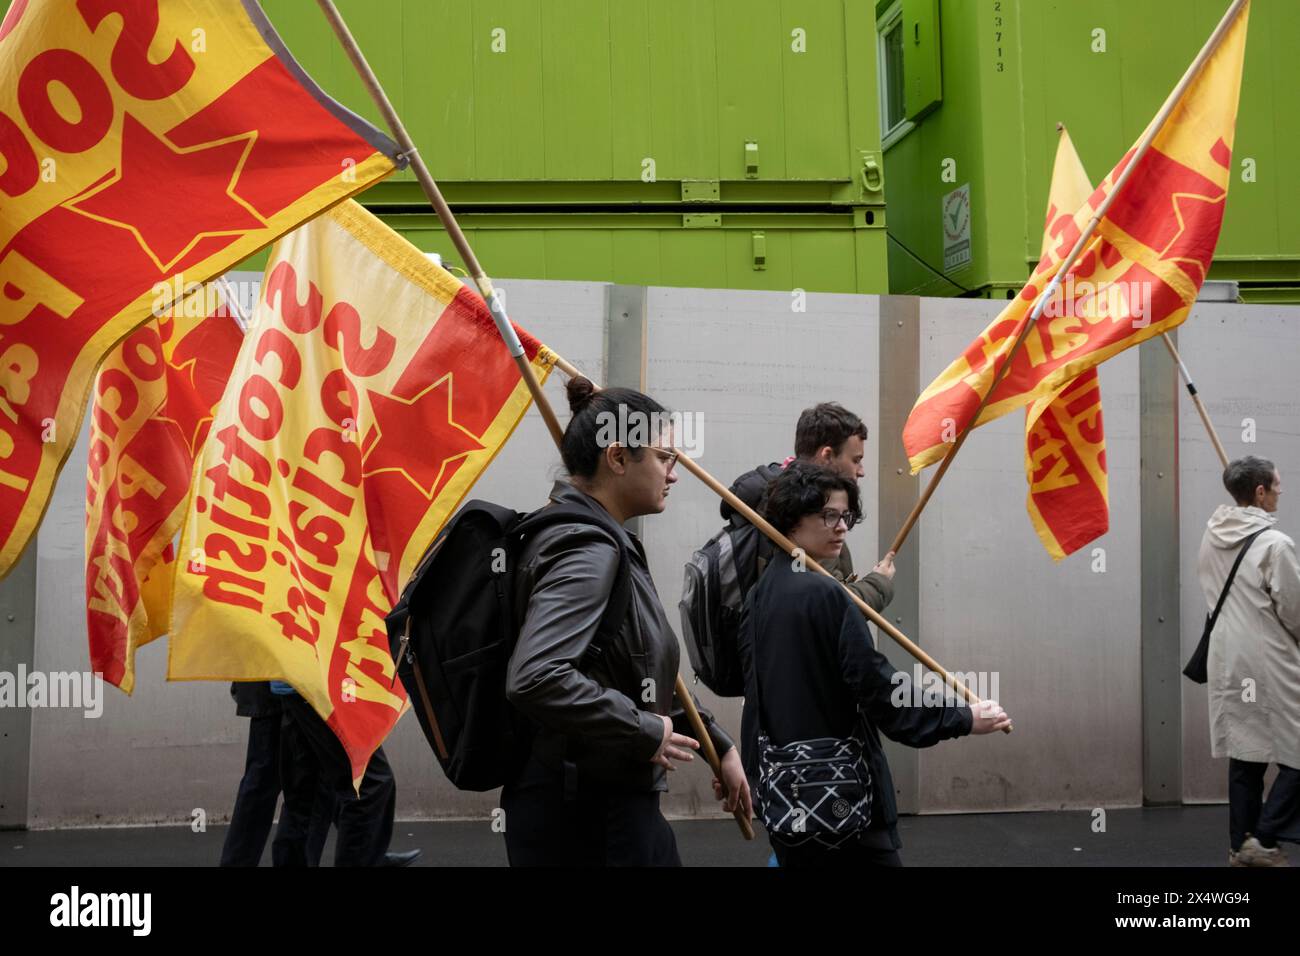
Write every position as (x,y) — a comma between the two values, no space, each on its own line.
(826,424)
(803,489)
(581,448)
(1244,475)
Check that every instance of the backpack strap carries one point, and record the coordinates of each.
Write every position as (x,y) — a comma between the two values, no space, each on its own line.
(1223,595)
(616,608)
(620,598)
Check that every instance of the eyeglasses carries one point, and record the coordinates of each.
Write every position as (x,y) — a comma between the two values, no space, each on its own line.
(833,518)
(665,455)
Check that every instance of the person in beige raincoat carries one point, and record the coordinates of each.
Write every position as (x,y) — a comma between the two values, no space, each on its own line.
(1254,663)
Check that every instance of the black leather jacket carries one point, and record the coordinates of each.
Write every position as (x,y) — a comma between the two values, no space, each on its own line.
(603,722)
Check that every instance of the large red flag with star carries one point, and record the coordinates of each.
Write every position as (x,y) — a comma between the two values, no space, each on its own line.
(154,398)
(141,141)
(371,391)
(1138,274)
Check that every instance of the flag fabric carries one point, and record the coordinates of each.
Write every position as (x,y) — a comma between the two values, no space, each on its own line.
(1065,442)
(371,391)
(152,405)
(1137,276)
(141,141)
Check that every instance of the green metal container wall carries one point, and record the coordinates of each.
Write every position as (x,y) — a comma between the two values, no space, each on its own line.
(573,106)
(998,124)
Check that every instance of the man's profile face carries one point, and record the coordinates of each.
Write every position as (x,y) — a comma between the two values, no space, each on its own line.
(848,463)
(1267,498)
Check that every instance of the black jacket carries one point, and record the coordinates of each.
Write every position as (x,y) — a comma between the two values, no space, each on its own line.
(602,720)
(254,699)
(811,648)
(751,487)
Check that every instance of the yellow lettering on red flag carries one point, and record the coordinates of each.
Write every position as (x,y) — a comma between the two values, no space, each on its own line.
(1065,445)
(1137,276)
(130,159)
(371,391)
(153,402)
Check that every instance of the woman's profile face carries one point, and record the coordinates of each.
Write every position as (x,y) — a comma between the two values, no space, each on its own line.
(822,541)
(649,479)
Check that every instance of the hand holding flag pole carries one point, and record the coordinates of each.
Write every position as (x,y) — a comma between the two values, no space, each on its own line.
(1143,146)
(790,548)
(492,298)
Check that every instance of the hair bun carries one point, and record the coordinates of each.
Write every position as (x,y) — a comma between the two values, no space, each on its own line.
(579,391)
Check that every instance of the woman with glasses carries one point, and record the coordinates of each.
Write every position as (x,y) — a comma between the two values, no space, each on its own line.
(600,686)
(818,693)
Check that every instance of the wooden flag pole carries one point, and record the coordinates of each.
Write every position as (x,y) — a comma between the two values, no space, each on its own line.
(490,295)
(1143,146)
(790,548)
(1196,398)
(493,300)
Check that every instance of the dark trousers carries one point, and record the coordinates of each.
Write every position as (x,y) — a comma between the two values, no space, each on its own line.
(588,826)
(849,855)
(259,791)
(313,768)
(1248,813)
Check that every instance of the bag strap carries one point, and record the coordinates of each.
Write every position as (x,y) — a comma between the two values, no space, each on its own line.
(1223,596)
(620,598)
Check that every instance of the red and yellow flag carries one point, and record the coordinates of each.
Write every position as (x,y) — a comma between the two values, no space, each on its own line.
(1065,443)
(140,141)
(1138,274)
(154,399)
(371,391)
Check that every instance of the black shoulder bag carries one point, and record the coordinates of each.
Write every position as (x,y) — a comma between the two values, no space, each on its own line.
(1197,669)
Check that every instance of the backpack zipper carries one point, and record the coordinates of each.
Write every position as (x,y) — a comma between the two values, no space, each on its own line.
(424,695)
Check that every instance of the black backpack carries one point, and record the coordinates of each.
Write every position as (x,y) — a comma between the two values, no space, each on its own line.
(718,577)
(455,626)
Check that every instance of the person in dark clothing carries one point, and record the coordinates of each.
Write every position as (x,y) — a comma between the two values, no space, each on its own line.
(608,726)
(833,437)
(812,669)
(314,768)
(259,788)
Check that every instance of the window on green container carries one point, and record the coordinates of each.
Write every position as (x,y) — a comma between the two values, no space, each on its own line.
(892,80)
(910,71)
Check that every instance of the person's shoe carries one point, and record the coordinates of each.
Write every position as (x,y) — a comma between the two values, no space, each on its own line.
(1254,853)
(401,859)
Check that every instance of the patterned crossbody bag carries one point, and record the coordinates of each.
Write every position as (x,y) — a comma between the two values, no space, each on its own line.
(817,789)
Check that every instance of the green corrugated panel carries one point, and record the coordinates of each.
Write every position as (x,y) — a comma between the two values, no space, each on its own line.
(520,107)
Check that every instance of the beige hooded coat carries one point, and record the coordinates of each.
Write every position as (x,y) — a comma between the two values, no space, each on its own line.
(1255,640)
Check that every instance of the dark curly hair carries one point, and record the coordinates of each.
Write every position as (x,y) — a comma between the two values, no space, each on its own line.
(803,489)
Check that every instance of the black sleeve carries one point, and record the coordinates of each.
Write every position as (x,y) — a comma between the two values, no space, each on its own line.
(722,741)
(885,694)
(576,567)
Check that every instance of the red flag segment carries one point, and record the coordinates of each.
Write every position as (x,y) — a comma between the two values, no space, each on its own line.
(370,393)
(161,139)
(154,398)
(1137,276)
